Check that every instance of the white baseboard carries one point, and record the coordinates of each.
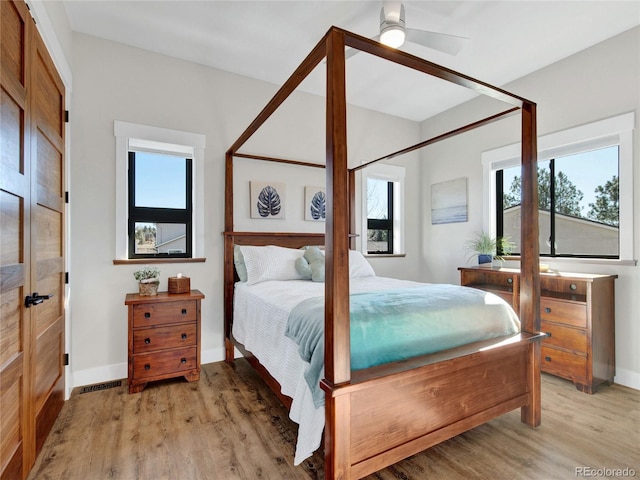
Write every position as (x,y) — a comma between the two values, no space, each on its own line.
(627,378)
(212,355)
(118,371)
(108,373)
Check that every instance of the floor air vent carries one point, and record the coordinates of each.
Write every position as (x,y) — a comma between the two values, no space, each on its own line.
(100,386)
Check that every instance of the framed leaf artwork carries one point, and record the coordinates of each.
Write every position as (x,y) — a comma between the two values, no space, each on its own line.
(267,199)
(315,201)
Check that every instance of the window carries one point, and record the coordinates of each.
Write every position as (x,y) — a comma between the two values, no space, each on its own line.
(160,206)
(578,204)
(584,191)
(159,193)
(382,212)
(379,216)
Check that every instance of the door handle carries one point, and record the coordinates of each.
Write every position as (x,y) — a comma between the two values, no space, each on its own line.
(35,299)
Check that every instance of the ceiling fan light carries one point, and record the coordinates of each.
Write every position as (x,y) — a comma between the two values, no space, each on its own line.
(392,36)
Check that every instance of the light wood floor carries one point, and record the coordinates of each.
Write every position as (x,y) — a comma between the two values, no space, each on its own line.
(230,426)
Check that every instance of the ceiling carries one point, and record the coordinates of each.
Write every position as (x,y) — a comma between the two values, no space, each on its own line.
(267,40)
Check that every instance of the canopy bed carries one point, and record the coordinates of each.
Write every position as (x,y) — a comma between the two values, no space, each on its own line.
(377,416)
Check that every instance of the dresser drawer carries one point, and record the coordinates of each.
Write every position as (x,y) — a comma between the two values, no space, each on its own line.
(507,297)
(147,314)
(564,364)
(570,338)
(151,339)
(560,311)
(148,365)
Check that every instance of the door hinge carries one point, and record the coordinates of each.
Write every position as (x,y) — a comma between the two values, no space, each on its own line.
(66,278)
(66,197)
(30,12)
(66,116)
(66,359)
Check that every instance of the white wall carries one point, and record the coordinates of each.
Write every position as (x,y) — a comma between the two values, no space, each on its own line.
(112,81)
(116,82)
(597,83)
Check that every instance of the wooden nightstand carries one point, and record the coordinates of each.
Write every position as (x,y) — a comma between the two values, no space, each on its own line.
(164,337)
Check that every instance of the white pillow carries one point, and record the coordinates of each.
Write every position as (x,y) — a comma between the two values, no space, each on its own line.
(358,265)
(271,263)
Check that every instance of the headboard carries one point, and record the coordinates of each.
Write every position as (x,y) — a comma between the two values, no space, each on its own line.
(290,240)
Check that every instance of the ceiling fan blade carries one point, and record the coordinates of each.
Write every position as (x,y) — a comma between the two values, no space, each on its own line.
(451,44)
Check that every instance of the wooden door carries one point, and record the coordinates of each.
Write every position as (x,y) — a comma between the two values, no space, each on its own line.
(47,239)
(31,241)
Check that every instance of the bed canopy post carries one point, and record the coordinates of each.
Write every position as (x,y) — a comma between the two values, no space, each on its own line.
(337,337)
(530,277)
(228,255)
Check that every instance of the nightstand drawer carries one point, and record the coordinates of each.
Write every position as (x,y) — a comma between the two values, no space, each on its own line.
(570,338)
(148,314)
(563,312)
(152,339)
(564,364)
(151,365)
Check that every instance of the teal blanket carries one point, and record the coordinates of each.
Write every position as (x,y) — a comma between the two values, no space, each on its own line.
(394,325)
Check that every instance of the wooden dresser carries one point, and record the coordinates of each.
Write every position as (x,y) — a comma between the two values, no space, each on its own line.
(576,312)
(164,337)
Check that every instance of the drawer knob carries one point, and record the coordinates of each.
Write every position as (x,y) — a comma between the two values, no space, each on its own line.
(147,367)
(183,360)
(147,341)
(147,315)
(573,286)
(184,311)
(547,310)
(509,280)
(184,336)
(547,359)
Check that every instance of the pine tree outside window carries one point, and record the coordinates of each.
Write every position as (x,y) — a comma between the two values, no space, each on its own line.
(578,204)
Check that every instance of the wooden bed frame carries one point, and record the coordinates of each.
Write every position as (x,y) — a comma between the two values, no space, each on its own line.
(379,416)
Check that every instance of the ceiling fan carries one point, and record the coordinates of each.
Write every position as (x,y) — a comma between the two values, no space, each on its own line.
(393,32)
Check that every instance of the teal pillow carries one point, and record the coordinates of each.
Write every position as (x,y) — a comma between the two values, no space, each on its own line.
(303,268)
(311,264)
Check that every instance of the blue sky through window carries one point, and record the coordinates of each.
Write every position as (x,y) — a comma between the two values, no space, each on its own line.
(586,170)
(160,180)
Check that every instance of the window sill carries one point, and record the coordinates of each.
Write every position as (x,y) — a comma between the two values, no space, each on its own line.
(147,261)
(583,261)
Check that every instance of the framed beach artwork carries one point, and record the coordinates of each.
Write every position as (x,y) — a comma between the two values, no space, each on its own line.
(449,201)
(315,204)
(267,199)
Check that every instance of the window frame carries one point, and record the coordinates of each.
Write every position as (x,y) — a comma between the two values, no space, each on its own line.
(132,136)
(395,174)
(552,240)
(616,130)
(383,224)
(159,214)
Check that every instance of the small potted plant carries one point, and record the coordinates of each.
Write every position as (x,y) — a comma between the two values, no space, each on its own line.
(148,279)
(485,247)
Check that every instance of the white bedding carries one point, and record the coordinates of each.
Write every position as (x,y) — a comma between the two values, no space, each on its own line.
(260,316)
